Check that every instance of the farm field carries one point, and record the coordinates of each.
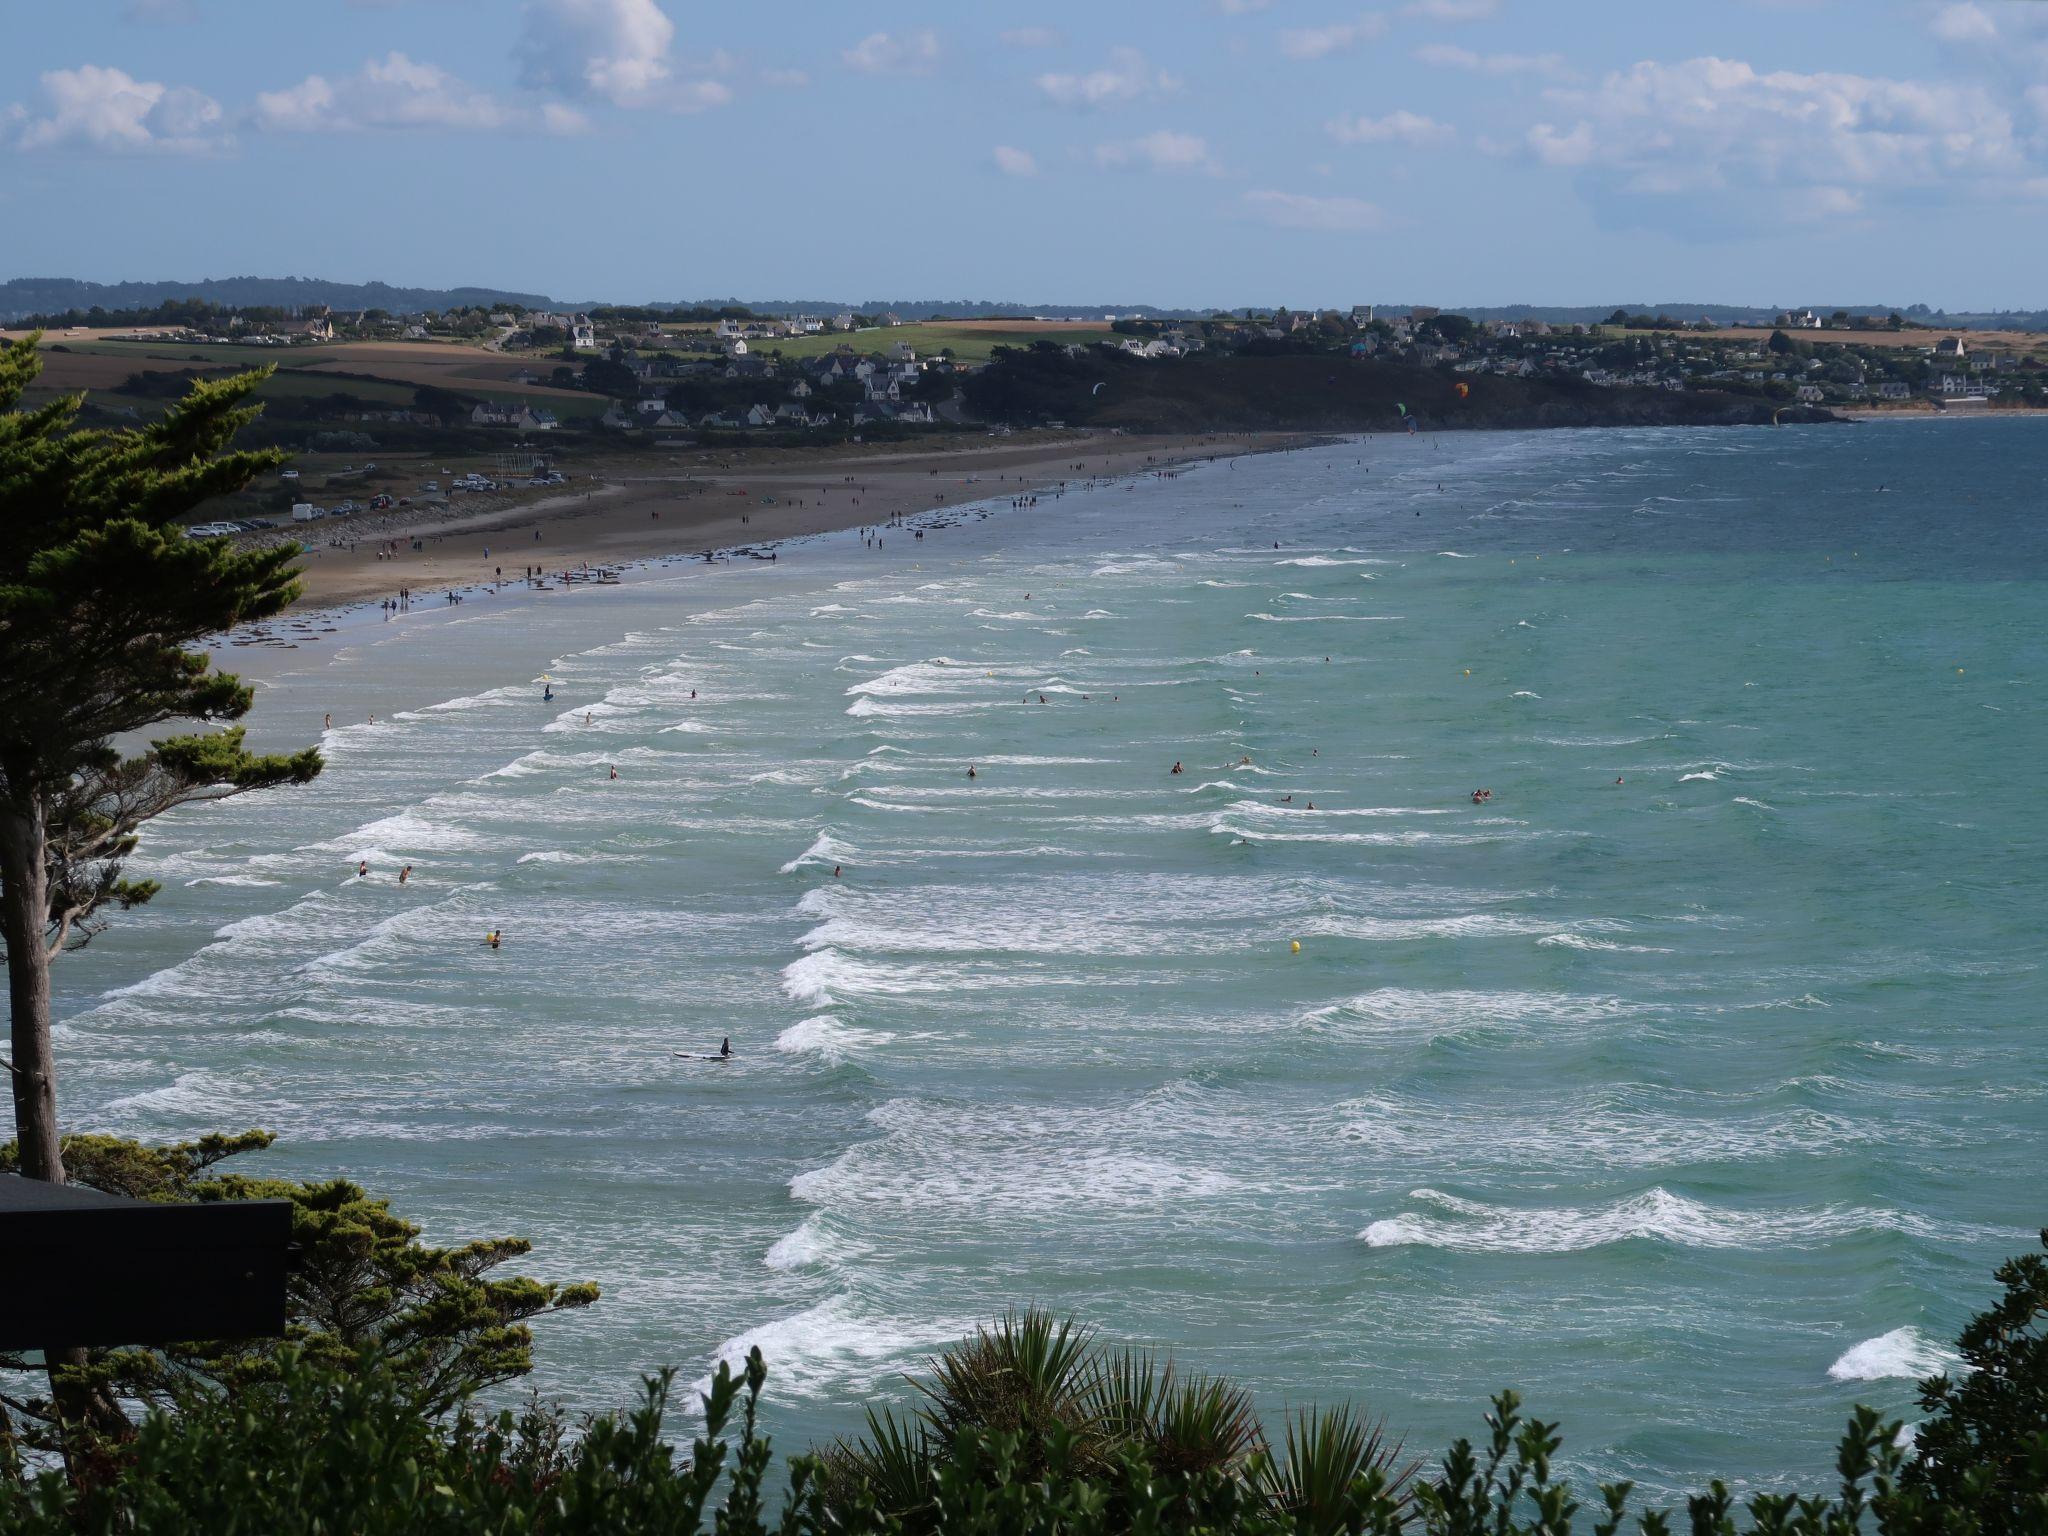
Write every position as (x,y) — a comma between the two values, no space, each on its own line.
(384,372)
(971,341)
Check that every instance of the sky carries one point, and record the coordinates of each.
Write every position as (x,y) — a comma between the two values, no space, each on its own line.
(1174,152)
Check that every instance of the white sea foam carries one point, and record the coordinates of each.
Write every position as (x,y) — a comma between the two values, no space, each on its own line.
(192,1094)
(824,849)
(1585,941)
(1704,777)
(1903,1352)
(799,1249)
(829,1038)
(831,1348)
(1656,1215)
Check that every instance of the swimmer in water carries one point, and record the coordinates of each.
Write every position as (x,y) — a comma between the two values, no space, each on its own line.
(971,773)
(405,874)
(725,1046)
(614,768)
(1177,768)
(835,871)
(363,869)
(327,722)
(492,938)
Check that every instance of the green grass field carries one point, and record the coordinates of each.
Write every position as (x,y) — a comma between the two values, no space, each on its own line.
(970,343)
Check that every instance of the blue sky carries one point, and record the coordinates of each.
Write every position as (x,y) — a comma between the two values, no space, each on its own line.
(1184,152)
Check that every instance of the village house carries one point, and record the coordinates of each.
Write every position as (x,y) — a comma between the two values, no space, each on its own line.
(1894,389)
(583,336)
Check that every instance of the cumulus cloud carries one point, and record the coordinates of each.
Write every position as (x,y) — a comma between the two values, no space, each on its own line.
(398,92)
(1395,128)
(1338,37)
(1032,37)
(616,51)
(1126,78)
(108,110)
(1295,210)
(881,53)
(1162,150)
(1964,23)
(1718,134)
(1449,56)
(1015,162)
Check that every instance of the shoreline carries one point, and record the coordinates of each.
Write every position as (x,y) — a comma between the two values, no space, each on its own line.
(628,518)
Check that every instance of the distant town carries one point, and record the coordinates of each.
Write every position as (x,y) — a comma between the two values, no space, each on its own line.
(361,380)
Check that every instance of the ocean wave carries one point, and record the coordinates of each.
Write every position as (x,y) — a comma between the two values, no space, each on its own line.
(1449,1011)
(829,1038)
(1903,1352)
(1656,1215)
(830,1348)
(824,849)
(1586,942)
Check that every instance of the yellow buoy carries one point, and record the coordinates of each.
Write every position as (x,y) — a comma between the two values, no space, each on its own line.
(1295,947)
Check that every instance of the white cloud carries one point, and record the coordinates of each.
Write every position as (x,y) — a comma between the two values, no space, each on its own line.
(880,53)
(1162,150)
(1126,78)
(1395,128)
(1295,210)
(1449,56)
(1032,37)
(1964,23)
(609,50)
(1452,10)
(1555,146)
(398,92)
(108,110)
(1015,162)
(1720,135)
(1338,37)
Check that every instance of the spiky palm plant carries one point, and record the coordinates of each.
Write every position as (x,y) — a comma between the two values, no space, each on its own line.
(1325,1455)
(1025,1375)
(1125,1393)
(1204,1424)
(890,1467)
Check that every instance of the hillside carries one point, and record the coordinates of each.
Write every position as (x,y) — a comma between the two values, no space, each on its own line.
(54,295)
(1320,392)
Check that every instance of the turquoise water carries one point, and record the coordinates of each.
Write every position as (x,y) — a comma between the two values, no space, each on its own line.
(1697,1105)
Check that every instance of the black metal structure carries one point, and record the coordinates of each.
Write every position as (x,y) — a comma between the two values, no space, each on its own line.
(78,1267)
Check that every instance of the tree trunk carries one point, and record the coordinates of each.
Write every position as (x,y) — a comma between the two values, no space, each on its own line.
(24,922)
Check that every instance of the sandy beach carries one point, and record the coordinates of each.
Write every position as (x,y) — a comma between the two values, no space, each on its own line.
(646,506)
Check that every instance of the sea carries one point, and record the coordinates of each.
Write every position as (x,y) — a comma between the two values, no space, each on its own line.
(1095,899)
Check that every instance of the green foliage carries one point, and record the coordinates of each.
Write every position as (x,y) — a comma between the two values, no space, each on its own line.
(438,1321)
(1986,1437)
(101,594)
(343,1447)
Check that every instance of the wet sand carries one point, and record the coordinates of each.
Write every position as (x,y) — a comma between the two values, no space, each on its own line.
(644,507)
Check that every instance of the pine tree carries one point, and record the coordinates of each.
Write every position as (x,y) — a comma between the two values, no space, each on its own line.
(101,596)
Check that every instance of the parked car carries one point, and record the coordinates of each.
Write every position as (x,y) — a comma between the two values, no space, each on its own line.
(379,503)
(430,486)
